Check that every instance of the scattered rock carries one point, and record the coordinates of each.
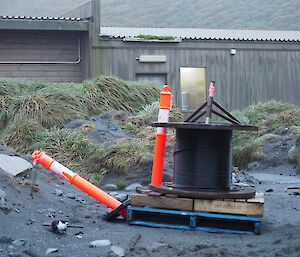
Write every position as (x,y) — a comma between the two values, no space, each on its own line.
(81,200)
(58,192)
(113,193)
(51,211)
(110,187)
(118,251)
(51,250)
(4,207)
(291,154)
(70,195)
(102,243)
(121,197)
(253,165)
(132,187)
(30,253)
(5,240)
(13,165)
(77,123)
(19,242)
(133,242)
(79,234)
(269,190)
(155,246)
(2,194)
(233,178)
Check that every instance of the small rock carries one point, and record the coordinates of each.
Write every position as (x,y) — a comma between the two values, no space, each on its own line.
(269,190)
(110,187)
(5,240)
(118,251)
(58,192)
(113,193)
(233,178)
(253,165)
(155,246)
(296,193)
(2,194)
(97,243)
(51,250)
(70,195)
(292,153)
(13,165)
(121,197)
(81,200)
(19,242)
(4,207)
(50,210)
(132,187)
(17,210)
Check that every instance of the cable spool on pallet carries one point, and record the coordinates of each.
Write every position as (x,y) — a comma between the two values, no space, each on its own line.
(203,155)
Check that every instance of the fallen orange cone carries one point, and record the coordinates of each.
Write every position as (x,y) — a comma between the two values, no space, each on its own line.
(118,207)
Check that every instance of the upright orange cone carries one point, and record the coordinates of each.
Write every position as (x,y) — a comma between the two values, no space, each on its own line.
(76,180)
(165,106)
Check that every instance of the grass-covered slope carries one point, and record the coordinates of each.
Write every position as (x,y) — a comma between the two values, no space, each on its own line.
(32,116)
(274,120)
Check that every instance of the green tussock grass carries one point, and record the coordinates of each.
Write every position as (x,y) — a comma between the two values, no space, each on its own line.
(128,154)
(296,157)
(21,134)
(70,147)
(147,115)
(106,93)
(53,104)
(33,114)
(272,118)
(248,147)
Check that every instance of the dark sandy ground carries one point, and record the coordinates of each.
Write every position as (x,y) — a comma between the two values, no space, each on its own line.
(23,213)
(27,211)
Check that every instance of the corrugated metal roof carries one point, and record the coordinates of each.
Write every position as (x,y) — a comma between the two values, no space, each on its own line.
(43,18)
(203,34)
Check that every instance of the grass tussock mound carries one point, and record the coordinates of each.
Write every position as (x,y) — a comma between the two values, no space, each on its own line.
(54,104)
(273,119)
(33,114)
(118,94)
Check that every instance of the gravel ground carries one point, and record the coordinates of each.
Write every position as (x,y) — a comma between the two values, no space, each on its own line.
(24,212)
(23,234)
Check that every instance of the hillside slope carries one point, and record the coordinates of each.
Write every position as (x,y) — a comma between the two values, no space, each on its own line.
(230,14)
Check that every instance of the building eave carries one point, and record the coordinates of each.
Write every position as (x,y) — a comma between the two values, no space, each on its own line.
(61,25)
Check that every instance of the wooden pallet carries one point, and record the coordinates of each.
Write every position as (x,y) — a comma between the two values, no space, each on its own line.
(249,207)
(188,220)
(157,200)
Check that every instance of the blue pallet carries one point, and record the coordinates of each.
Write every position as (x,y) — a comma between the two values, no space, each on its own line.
(198,221)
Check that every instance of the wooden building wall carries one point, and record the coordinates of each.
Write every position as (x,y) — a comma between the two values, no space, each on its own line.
(41,55)
(259,71)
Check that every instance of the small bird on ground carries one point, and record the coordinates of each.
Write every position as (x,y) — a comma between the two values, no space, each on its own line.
(59,226)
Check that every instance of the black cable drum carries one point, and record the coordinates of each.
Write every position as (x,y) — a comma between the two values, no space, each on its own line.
(203,159)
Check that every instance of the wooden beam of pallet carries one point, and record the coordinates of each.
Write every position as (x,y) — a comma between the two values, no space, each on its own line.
(253,207)
(164,202)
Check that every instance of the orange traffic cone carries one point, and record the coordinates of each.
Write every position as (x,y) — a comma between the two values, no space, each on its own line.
(165,106)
